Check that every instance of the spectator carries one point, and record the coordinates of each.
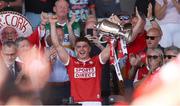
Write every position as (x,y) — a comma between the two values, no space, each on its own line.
(167,12)
(164,91)
(84,72)
(154,61)
(57,90)
(153,37)
(23,46)
(9,33)
(8,53)
(71,28)
(170,53)
(139,60)
(138,37)
(11,5)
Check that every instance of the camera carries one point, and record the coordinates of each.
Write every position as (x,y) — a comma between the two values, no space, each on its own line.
(89,31)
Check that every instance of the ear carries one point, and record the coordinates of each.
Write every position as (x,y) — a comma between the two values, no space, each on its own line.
(54,9)
(89,48)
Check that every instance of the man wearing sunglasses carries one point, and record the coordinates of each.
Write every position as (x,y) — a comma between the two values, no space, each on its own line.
(154,60)
(170,53)
(152,40)
(153,37)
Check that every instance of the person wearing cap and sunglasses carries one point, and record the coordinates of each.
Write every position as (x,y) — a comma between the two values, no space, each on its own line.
(170,53)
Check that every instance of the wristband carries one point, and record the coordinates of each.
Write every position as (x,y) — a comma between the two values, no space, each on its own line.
(8,4)
(152,19)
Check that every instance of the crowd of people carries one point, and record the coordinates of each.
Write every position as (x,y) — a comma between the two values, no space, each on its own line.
(63,61)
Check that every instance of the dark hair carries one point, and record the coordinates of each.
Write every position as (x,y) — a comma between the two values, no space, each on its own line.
(83,39)
(20,39)
(172,48)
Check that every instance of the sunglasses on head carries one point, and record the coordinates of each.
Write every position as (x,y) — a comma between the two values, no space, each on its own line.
(169,56)
(152,57)
(126,17)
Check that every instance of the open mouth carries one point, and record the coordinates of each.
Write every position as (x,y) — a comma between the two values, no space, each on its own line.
(82,52)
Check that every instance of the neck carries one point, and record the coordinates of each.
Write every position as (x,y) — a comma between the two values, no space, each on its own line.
(62,20)
(83,59)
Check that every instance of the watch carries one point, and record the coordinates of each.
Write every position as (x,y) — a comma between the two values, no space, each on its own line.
(8,4)
(152,19)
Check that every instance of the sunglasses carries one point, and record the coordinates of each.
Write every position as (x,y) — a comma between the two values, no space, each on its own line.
(126,17)
(169,56)
(151,37)
(152,57)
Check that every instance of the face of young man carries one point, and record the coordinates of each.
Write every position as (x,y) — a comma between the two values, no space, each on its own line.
(9,54)
(82,49)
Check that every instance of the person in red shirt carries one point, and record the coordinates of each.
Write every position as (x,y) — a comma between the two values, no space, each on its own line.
(154,60)
(84,72)
(139,59)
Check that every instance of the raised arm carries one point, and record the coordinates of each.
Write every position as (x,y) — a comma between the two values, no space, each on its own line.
(105,54)
(138,27)
(160,11)
(177,5)
(63,55)
(72,37)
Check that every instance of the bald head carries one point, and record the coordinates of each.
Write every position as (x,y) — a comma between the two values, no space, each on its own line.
(61,9)
(153,37)
(154,31)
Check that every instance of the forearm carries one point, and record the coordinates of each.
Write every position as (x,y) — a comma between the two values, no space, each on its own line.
(105,54)
(138,28)
(99,46)
(72,37)
(63,55)
(177,6)
(160,11)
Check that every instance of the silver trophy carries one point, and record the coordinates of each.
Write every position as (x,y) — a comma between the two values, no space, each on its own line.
(115,29)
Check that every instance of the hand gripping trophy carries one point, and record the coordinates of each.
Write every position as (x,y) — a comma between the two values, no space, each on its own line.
(121,34)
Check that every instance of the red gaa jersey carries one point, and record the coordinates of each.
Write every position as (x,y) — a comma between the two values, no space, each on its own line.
(85,78)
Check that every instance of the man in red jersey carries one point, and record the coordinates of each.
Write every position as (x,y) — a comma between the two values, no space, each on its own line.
(84,72)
